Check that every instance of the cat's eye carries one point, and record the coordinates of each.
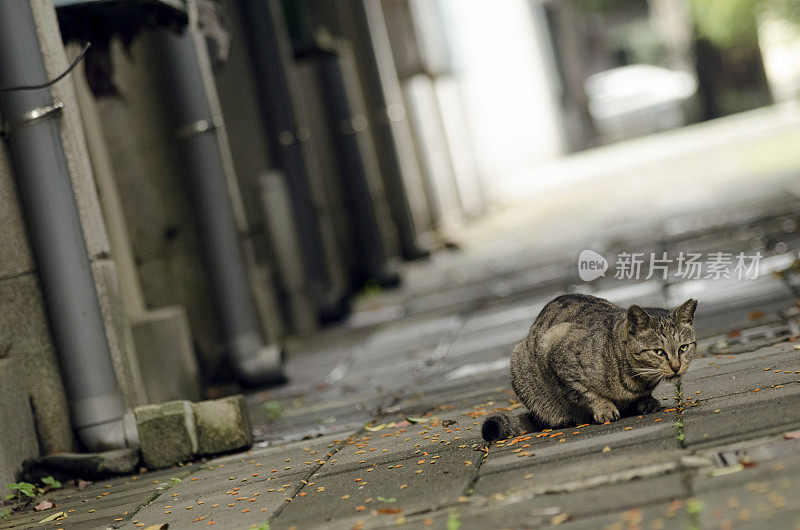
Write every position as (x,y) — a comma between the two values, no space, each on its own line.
(659,351)
(685,347)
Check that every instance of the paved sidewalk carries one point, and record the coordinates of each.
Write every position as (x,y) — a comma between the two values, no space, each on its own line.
(379,425)
(734,466)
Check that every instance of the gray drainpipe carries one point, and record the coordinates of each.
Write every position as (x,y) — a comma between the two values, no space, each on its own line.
(254,362)
(261,26)
(32,131)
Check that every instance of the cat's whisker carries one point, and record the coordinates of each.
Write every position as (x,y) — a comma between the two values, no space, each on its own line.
(649,374)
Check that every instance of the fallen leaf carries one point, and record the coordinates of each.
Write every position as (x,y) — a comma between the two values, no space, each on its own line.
(81,484)
(409,419)
(53,517)
(755,315)
(404,423)
(389,511)
(791,435)
(605,450)
(560,518)
(44,505)
(726,470)
(370,427)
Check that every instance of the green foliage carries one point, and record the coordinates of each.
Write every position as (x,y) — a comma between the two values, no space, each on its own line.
(50,481)
(726,23)
(454,521)
(22,489)
(5,513)
(731,24)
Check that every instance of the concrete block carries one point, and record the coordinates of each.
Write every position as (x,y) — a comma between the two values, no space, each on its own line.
(24,327)
(15,253)
(118,333)
(66,466)
(166,433)
(166,355)
(181,280)
(262,286)
(18,434)
(222,425)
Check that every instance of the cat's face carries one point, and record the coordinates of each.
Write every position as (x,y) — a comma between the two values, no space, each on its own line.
(661,343)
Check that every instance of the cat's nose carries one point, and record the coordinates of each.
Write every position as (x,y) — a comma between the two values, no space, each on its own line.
(675,365)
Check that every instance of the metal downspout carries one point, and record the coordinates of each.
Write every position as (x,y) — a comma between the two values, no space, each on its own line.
(386,111)
(32,130)
(262,33)
(254,362)
(345,130)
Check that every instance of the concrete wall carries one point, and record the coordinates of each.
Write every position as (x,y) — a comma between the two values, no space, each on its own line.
(26,345)
(157,211)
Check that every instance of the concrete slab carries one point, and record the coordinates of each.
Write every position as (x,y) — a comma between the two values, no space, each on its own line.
(167,433)
(414,486)
(222,425)
(24,325)
(166,355)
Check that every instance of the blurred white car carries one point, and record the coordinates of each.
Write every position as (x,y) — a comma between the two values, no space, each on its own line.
(638,99)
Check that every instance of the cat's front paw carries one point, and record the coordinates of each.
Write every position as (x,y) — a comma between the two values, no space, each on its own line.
(604,412)
(647,405)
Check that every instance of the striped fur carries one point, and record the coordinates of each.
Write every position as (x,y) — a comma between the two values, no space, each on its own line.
(587,360)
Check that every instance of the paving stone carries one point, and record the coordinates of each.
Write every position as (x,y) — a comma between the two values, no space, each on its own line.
(524,511)
(435,484)
(743,415)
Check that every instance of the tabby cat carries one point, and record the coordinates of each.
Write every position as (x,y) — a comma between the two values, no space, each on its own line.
(588,360)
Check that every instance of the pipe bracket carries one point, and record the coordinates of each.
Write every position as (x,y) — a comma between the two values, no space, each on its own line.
(31,116)
(198,127)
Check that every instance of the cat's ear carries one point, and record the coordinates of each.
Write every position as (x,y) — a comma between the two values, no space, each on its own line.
(638,319)
(685,313)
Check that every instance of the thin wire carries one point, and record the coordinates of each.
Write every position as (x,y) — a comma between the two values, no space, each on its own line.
(77,60)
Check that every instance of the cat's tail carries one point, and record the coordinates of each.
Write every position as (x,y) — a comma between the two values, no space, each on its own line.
(507,424)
